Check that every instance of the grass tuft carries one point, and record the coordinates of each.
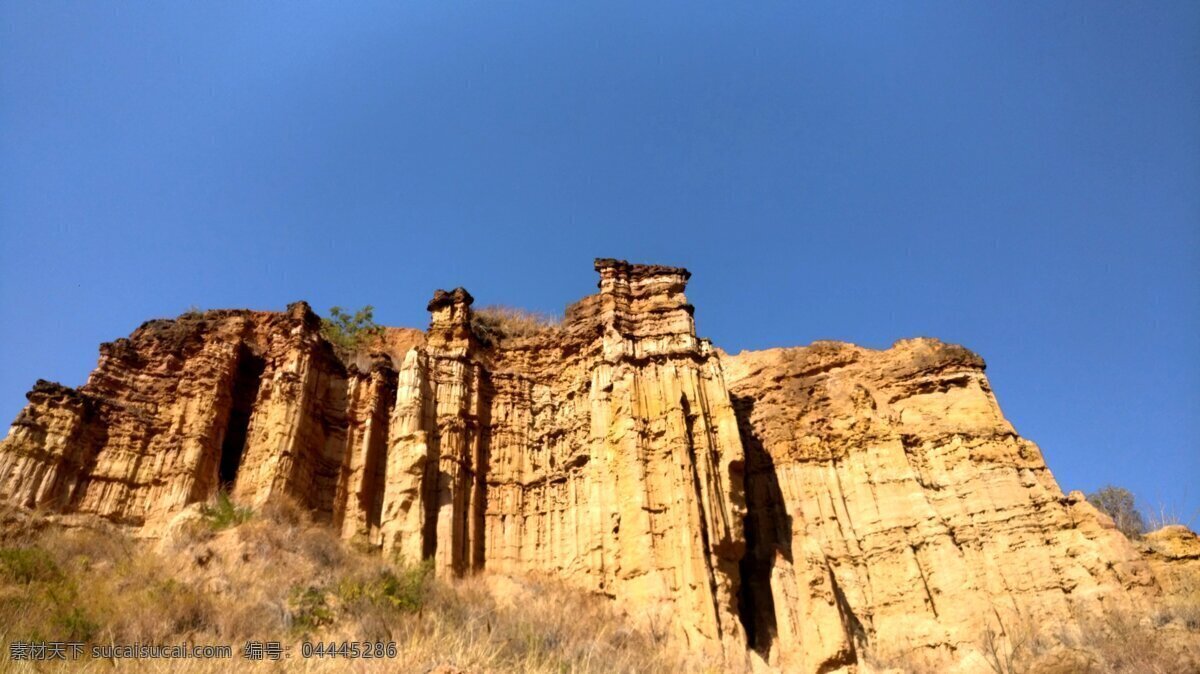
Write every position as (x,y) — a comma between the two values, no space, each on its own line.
(224,513)
(28,564)
(403,589)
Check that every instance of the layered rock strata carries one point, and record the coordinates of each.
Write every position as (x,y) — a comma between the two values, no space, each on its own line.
(892,504)
(1173,552)
(807,504)
(604,450)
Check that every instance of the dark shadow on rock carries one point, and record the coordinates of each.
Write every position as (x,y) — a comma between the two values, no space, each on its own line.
(768,530)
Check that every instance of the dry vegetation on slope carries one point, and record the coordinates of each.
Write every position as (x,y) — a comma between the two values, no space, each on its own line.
(223,578)
(225,575)
(496,323)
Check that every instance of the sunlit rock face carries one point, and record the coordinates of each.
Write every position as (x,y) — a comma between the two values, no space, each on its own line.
(806,505)
(1174,554)
(604,450)
(891,503)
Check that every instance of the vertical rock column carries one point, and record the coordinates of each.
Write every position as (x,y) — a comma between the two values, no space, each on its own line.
(405,492)
(663,425)
(432,502)
(370,398)
(297,432)
(457,385)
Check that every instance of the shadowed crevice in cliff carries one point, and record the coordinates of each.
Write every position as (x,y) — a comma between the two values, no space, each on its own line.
(481,460)
(246,382)
(698,493)
(91,439)
(375,466)
(430,483)
(768,530)
(850,621)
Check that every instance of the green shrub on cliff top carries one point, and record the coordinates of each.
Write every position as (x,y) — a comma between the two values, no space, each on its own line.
(347,331)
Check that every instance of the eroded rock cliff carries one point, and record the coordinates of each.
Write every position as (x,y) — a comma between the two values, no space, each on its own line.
(805,504)
(604,450)
(890,497)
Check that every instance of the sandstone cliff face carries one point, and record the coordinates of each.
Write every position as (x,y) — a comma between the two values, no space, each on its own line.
(891,503)
(604,451)
(810,504)
(255,401)
(1173,552)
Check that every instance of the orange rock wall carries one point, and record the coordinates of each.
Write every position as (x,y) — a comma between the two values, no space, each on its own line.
(808,504)
(891,503)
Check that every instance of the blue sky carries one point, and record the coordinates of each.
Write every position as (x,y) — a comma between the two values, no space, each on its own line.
(1020,177)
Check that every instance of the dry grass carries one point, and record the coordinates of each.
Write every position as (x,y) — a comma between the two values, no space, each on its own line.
(1126,642)
(494,324)
(278,577)
(1169,515)
(1120,641)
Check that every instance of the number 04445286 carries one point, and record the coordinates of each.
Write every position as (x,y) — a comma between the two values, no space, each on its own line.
(348,649)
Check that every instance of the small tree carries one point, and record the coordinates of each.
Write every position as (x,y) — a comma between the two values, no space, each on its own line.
(347,331)
(1118,503)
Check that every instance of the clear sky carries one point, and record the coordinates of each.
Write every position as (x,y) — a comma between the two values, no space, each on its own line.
(1022,178)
